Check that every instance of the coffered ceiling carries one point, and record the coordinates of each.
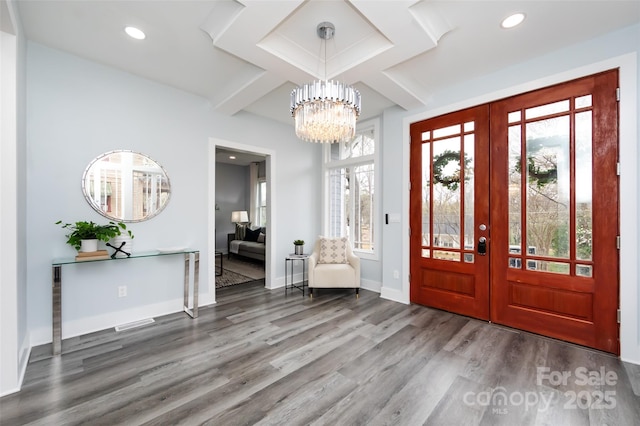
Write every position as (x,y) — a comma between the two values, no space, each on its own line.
(249,54)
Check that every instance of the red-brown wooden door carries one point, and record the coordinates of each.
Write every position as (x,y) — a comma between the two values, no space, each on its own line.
(540,184)
(554,212)
(449,206)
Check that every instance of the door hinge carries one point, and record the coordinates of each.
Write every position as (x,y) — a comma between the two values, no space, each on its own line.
(618,168)
(618,242)
(409,186)
(618,94)
(409,277)
(618,314)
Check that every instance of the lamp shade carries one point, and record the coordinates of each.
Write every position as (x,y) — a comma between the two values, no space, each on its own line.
(239,216)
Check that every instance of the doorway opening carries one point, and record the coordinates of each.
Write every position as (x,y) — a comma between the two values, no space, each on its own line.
(232,190)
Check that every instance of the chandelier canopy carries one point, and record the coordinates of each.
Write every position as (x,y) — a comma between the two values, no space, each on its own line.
(325,111)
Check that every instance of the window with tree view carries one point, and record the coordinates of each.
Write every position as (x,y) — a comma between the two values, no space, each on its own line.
(350,184)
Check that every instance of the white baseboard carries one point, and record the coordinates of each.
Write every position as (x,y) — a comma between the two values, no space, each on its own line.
(630,353)
(279,282)
(23,361)
(630,361)
(10,391)
(371,285)
(25,354)
(365,284)
(208,299)
(394,295)
(88,325)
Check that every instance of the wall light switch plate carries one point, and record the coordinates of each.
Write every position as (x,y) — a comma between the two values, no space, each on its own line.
(394,217)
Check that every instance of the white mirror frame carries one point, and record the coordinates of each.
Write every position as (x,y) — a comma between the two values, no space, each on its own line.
(117,185)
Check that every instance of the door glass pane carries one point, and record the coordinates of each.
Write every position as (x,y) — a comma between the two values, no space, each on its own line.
(544,266)
(469,194)
(446,255)
(548,109)
(548,186)
(426,196)
(584,195)
(584,270)
(446,193)
(515,189)
(446,131)
(583,101)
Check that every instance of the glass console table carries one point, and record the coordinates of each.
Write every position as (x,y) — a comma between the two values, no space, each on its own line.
(56,266)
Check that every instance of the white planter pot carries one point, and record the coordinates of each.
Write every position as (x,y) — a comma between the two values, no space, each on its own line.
(127,247)
(88,246)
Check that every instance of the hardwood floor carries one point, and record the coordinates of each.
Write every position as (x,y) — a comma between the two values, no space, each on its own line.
(258,357)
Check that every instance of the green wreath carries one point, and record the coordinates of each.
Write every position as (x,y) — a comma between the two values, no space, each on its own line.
(441,161)
(538,175)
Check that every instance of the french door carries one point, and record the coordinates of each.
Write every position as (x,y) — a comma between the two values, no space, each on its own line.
(449,209)
(514,212)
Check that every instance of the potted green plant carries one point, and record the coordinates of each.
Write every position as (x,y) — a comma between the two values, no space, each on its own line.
(82,231)
(298,246)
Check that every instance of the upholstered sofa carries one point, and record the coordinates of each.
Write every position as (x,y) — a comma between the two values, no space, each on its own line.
(249,244)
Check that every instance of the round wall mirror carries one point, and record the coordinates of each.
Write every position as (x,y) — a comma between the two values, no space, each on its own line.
(126,186)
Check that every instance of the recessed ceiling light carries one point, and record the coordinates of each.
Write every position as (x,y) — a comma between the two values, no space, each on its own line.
(512,20)
(232,157)
(135,33)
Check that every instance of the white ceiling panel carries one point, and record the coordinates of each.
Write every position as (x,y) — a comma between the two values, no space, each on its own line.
(249,54)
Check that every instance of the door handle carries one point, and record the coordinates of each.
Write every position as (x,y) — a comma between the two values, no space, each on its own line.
(482,246)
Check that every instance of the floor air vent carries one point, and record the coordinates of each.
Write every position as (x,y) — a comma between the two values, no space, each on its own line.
(134,324)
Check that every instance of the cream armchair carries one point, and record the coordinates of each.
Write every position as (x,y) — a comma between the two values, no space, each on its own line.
(333,265)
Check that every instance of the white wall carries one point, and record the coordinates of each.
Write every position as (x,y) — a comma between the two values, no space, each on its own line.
(78,109)
(14,347)
(617,49)
(394,166)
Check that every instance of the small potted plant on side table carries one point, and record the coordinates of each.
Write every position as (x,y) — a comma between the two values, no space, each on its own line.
(298,246)
(84,236)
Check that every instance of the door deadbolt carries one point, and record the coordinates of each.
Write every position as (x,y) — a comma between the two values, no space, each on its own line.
(482,246)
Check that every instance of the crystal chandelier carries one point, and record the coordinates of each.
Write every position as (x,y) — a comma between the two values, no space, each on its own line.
(325,111)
